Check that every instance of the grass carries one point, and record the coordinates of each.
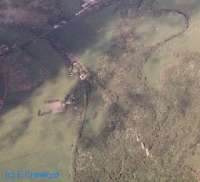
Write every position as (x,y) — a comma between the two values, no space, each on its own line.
(45,143)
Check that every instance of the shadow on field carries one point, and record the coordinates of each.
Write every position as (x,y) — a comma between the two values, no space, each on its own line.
(75,37)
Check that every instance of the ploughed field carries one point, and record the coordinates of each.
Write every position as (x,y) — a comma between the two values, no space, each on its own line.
(136,118)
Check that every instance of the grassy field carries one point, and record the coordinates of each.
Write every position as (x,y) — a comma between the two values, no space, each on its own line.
(29,142)
(136,91)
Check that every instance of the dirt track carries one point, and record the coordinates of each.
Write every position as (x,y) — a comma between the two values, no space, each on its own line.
(151,50)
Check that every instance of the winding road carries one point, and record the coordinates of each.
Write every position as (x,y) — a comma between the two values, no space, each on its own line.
(61,24)
(186,17)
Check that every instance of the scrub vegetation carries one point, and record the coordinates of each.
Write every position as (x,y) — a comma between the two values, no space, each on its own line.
(135,117)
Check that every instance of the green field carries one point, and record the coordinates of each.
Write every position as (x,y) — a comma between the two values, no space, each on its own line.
(144,94)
